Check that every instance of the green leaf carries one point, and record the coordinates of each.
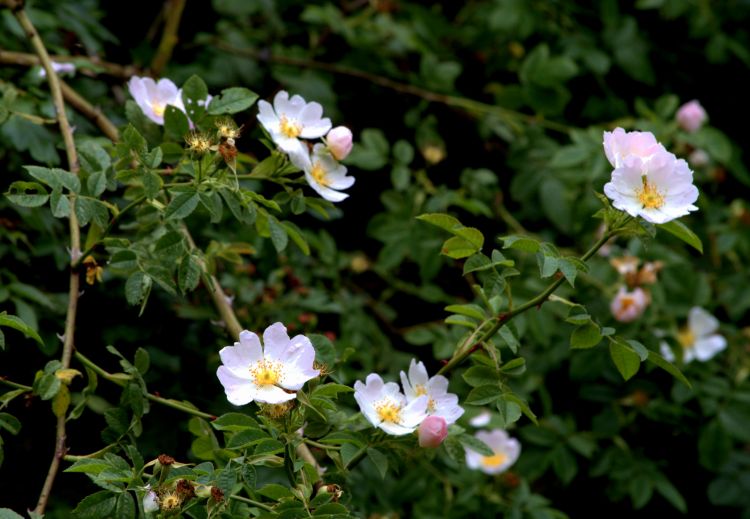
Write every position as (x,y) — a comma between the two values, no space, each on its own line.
(681,231)
(7,513)
(379,460)
(246,438)
(371,152)
(441,220)
(469,310)
(188,273)
(626,360)
(296,235)
(477,376)
(137,287)
(483,395)
(170,246)
(667,366)
(585,336)
(514,367)
(182,205)
(12,321)
(194,95)
(55,177)
(10,423)
(475,444)
(232,100)
(234,422)
(458,248)
(176,123)
(141,361)
(508,411)
(98,505)
(27,194)
(279,236)
(522,243)
(59,203)
(331,390)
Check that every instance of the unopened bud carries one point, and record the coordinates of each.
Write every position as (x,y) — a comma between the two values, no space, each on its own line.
(432,431)
(339,141)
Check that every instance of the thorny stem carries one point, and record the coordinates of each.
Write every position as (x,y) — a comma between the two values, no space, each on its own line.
(121,379)
(503,318)
(219,298)
(17,8)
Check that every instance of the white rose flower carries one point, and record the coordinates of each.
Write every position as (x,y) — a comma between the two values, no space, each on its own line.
(482,419)
(698,339)
(153,98)
(628,306)
(505,452)
(271,374)
(289,119)
(324,174)
(439,401)
(385,406)
(648,181)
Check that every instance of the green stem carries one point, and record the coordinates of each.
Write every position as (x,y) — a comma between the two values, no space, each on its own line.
(109,227)
(121,379)
(174,404)
(16,385)
(251,502)
(321,445)
(504,317)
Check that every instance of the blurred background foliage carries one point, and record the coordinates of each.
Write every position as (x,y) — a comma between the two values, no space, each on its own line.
(492,110)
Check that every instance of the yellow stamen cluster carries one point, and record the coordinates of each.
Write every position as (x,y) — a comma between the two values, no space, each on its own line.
(649,196)
(227,128)
(158,109)
(495,460)
(686,338)
(318,173)
(170,501)
(199,143)
(276,411)
(388,411)
(266,372)
(291,129)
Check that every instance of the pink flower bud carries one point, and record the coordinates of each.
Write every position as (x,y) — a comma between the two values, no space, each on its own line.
(432,432)
(339,141)
(691,116)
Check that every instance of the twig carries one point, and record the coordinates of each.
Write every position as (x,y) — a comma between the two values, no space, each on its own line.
(173,12)
(121,379)
(16,6)
(460,102)
(471,346)
(89,111)
(108,68)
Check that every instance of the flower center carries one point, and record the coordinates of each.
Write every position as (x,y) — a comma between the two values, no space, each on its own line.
(388,411)
(626,302)
(686,338)
(158,109)
(649,196)
(266,372)
(420,390)
(291,129)
(495,460)
(318,173)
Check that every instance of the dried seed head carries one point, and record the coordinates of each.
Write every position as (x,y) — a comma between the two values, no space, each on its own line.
(198,143)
